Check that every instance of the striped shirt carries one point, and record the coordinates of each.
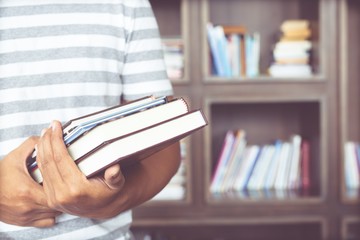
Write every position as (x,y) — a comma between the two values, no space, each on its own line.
(60,59)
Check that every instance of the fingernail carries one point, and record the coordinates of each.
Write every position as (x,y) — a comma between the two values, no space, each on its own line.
(53,125)
(43,132)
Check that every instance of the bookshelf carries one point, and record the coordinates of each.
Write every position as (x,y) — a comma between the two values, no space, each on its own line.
(350,84)
(177,12)
(286,116)
(323,108)
(350,228)
(237,13)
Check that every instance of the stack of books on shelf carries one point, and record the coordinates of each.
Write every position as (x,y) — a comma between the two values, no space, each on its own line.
(173,49)
(175,190)
(234,51)
(291,53)
(279,170)
(352,168)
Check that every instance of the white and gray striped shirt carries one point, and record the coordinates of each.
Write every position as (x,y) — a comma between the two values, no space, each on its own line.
(60,59)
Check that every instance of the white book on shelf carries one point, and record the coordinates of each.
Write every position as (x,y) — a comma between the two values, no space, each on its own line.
(234,53)
(255,174)
(255,59)
(290,70)
(224,56)
(351,166)
(303,45)
(256,181)
(273,167)
(246,167)
(222,161)
(236,170)
(234,161)
(282,175)
(294,168)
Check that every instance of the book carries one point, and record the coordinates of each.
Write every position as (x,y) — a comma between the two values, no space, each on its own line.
(234,160)
(305,166)
(111,142)
(133,123)
(215,51)
(256,183)
(76,127)
(218,49)
(247,167)
(294,169)
(294,25)
(222,161)
(292,54)
(79,126)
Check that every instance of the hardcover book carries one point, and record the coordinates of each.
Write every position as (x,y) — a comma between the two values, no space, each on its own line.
(126,134)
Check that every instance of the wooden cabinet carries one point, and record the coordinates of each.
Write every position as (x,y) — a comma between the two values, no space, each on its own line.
(323,108)
(349,84)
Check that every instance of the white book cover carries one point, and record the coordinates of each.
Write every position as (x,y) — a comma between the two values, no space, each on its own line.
(294,168)
(351,166)
(258,175)
(234,161)
(273,167)
(246,167)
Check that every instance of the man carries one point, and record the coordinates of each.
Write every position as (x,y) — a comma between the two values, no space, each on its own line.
(60,59)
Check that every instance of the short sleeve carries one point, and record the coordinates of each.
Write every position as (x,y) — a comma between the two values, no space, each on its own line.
(144,71)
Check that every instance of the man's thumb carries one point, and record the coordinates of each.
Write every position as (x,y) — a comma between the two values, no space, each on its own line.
(113,177)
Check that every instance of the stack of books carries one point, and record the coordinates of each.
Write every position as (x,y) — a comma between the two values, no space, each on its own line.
(292,52)
(126,133)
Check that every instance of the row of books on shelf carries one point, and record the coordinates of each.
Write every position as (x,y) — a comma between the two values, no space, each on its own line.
(352,168)
(278,170)
(291,53)
(234,51)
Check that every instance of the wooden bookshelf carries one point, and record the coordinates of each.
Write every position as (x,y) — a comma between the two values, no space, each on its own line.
(250,229)
(173,20)
(276,10)
(286,116)
(350,228)
(324,108)
(350,84)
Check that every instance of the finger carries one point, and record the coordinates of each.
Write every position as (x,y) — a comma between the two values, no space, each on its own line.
(69,169)
(42,223)
(113,177)
(45,160)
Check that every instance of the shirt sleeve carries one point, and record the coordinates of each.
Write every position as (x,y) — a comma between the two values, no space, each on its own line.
(144,71)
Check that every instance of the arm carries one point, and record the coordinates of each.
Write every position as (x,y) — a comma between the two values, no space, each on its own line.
(22,200)
(68,190)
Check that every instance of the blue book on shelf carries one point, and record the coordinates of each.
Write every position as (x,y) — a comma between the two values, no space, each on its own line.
(223,47)
(215,51)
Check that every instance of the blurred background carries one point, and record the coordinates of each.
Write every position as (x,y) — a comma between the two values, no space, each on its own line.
(279,81)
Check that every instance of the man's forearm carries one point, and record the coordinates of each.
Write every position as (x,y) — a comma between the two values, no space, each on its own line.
(146,179)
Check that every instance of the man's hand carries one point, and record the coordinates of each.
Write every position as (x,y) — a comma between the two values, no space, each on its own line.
(22,200)
(67,189)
